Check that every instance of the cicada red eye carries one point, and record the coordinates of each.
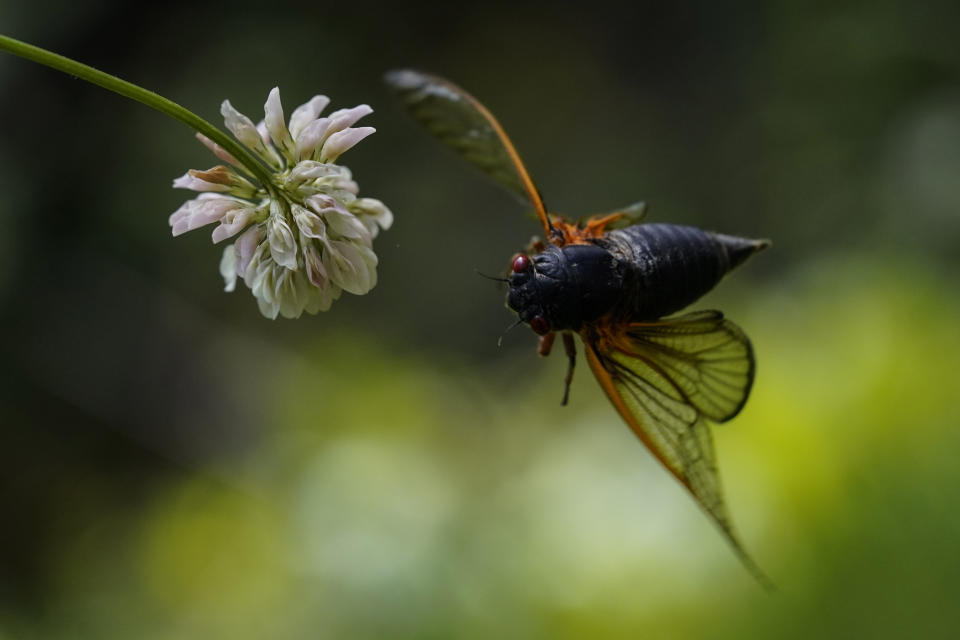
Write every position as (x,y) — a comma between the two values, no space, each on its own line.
(521,263)
(539,325)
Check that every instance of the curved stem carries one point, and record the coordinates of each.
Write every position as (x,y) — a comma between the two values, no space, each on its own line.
(149,98)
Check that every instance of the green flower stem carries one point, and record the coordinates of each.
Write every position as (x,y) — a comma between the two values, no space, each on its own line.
(149,98)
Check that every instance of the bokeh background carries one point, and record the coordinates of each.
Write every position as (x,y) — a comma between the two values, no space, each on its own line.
(172,465)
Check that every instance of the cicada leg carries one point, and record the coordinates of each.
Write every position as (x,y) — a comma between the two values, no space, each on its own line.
(546,343)
(571,350)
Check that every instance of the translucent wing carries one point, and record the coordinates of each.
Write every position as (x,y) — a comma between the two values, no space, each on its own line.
(458,120)
(700,358)
(667,379)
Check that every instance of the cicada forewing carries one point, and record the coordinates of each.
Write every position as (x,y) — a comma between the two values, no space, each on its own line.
(668,379)
(462,123)
(624,217)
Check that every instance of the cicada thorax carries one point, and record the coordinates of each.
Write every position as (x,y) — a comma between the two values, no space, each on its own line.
(640,273)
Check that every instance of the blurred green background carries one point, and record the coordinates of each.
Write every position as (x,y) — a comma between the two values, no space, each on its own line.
(172,465)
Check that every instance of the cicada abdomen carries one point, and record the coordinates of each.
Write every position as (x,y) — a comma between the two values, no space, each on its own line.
(666,267)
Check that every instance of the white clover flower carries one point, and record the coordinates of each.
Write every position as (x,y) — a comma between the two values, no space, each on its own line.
(306,236)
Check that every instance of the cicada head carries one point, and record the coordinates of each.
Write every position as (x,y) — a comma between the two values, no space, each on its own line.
(559,289)
(532,281)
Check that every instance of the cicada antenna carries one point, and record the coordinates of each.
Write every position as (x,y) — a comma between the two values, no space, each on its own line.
(500,339)
(494,278)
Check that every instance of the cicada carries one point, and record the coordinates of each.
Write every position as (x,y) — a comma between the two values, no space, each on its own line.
(615,282)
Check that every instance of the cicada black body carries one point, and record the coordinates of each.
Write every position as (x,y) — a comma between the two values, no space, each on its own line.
(667,375)
(641,273)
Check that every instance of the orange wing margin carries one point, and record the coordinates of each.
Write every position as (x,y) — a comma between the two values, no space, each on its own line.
(606,383)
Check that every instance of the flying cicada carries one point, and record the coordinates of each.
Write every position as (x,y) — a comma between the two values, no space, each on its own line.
(667,376)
